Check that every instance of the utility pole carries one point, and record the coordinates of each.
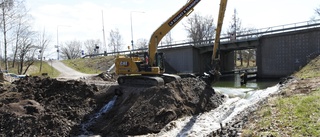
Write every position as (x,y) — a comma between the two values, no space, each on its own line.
(57,46)
(104,35)
(132,28)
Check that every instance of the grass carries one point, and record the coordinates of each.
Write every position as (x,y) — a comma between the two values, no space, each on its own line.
(298,115)
(91,65)
(46,68)
(34,70)
(309,71)
(295,114)
(86,65)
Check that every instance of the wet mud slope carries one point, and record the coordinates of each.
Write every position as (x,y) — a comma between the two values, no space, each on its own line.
(47,107)
(147,110)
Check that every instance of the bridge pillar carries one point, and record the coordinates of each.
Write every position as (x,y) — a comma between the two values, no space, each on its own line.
(227,62)
(181,59)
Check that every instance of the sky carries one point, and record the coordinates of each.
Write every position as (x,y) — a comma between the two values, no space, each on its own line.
(81,20)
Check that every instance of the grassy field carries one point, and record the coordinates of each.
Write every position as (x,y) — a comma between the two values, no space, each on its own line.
(34,69)
(91,65)
(295,112)
(46,68)
(87,65)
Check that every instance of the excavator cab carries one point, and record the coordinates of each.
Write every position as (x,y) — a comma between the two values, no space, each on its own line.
(144,65)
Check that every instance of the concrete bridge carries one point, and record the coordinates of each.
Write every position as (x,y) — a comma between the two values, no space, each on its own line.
(280,50)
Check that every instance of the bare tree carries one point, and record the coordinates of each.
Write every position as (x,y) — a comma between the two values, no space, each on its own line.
(9,10)
(250,54)
(26,51)
(317,10)
(233,31)
(115,40)
(313,19)
(199,27)
(92,46)
(142,43)
(235,27)
(43,41)
(72,50)
(21,28)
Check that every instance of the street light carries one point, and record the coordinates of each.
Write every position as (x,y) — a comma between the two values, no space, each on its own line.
(131,26)
(57,46)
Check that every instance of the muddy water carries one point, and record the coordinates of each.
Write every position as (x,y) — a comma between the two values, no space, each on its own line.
(234,81)
(231,85)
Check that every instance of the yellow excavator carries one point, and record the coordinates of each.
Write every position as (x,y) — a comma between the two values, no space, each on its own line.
(148,68)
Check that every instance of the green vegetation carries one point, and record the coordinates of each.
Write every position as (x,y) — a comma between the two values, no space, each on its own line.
(296,112)
(292,116)
(34,70)
(311,70)
(91,65)
(87,65)
(46,68)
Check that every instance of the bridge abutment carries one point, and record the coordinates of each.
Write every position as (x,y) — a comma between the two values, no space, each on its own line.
(280,55)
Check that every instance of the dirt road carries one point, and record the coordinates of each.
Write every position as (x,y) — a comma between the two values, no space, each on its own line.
(67,72)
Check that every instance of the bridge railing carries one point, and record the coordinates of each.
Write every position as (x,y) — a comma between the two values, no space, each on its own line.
(251,34)
(280,29)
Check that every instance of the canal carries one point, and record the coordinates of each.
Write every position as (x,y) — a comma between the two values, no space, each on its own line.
(231,85)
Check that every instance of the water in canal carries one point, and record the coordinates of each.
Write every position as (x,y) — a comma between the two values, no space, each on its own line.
(232,86)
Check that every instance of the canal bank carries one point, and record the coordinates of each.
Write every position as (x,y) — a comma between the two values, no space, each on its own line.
(257,111)
(294,111)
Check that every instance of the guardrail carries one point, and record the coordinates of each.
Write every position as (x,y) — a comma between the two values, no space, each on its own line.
(251,34)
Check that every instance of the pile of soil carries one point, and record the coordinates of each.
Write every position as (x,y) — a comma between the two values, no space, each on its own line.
(48,107)
(37,106)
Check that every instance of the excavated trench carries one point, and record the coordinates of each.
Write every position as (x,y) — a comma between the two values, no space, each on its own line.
(37,106)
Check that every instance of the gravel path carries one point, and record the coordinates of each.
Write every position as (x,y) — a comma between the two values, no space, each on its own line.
(67,72)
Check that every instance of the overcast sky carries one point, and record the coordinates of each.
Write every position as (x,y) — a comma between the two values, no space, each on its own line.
(82,19)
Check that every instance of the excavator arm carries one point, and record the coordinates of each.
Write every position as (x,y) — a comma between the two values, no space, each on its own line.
(167,26)
(149,69)
(222,9)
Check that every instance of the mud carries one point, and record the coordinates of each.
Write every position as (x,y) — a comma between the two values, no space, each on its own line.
(37,106)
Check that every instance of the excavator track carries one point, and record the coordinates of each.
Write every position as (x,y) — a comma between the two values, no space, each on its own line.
(147,80)
(140,81)
(170,77)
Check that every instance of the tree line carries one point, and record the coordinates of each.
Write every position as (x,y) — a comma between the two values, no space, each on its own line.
(20,42)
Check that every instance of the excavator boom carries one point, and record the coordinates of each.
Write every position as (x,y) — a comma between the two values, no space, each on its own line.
(223,6)
(167,26)
(148,69)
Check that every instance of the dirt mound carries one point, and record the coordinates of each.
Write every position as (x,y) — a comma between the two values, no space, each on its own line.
(44,107)
(147,110)
(47,107)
